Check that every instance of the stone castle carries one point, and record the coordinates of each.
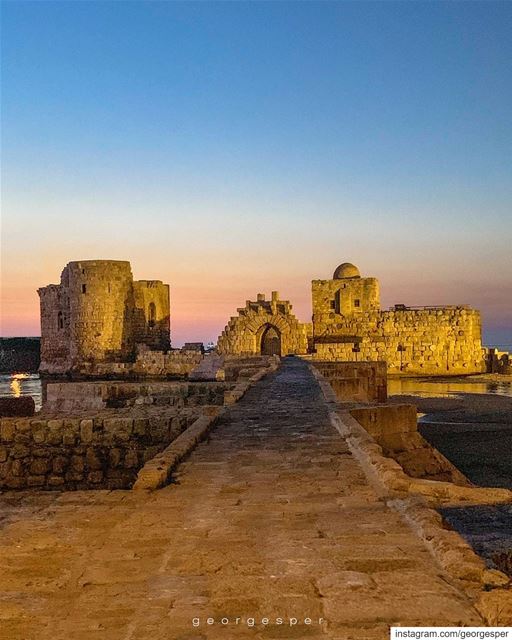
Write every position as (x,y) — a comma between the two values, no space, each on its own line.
(99,314)
(349,325)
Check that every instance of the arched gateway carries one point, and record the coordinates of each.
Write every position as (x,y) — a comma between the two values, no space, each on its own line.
(270,341)
(264,327)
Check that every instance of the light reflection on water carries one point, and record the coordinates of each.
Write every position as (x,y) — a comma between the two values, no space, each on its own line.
(427,388)
(21,384)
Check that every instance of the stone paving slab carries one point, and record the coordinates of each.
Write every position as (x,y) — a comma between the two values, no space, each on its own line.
(271,517)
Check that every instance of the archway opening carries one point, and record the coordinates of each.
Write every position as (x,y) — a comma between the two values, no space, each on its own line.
(151,315)
(270,341)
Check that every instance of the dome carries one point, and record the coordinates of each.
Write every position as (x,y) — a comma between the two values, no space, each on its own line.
(346,270)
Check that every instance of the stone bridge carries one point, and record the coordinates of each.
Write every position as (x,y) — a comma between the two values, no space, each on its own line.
(269,529)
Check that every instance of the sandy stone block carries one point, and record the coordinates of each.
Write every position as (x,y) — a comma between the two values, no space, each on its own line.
(131,459)
(39,466)
(39,434)
(95,477)
(7,430)
(36,481)
(3,454)
(93,459)
(55,430)
(20,451)
(55,481)
(115,457)
(23,426)
(17,468)
(60,464)
(13,482)
(86,431)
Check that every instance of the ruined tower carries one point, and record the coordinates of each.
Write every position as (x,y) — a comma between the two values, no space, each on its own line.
(99,314)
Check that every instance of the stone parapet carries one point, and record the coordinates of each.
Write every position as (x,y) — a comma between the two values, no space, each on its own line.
(83,452)
(436,341)
(86,396)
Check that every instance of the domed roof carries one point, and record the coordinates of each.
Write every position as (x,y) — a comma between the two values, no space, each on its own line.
(346,270)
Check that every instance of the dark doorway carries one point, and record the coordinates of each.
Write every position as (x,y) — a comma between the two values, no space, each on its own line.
(271,342)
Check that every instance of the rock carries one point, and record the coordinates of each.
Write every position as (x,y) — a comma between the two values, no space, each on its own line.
(14,407)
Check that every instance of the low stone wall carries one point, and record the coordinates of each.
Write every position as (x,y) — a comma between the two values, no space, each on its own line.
(395,429)
(95,451)
(237,368)
(148,364)
(86,396)
(170,363)
(355,381)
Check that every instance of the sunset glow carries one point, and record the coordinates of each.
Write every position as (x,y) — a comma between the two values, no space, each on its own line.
(209,146)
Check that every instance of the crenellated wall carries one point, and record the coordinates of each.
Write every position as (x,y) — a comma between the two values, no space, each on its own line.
(264,327)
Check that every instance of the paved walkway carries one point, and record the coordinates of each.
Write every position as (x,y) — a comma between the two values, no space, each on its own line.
(271,518)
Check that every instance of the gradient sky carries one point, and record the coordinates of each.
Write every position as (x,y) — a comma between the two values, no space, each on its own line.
(233,148)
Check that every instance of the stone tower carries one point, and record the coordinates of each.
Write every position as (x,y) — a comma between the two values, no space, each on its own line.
(99,314)
(347,295)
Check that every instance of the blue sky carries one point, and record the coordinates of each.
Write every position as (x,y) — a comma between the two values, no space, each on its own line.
(229,148)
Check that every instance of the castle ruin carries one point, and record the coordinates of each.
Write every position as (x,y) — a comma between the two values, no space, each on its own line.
(98,313)
(349,325)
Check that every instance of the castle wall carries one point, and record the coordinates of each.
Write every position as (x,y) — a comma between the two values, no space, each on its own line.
(243,333)
(55,329)
(413,341)
(151,319)
(98,451)
(101,310)
(98,314)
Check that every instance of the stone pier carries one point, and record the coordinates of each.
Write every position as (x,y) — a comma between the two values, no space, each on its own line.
(269,529)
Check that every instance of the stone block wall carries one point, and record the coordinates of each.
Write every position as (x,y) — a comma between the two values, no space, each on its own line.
(436,341)
(177,363)
(244,334)
(497,361)
(395,429)
(95,396)
(92,452)
(355,381)
(345,296)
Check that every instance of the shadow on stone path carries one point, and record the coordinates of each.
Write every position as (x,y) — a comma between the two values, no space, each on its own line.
(269,518)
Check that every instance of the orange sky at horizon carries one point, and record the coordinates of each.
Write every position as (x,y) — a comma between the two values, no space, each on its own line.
(202,304)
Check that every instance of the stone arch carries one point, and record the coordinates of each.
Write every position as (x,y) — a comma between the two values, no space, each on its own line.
(269,340)
(245,333)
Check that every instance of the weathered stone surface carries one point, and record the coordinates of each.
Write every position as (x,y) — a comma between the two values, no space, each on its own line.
(270,517)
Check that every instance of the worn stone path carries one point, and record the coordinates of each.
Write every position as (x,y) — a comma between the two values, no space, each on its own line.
(270,518)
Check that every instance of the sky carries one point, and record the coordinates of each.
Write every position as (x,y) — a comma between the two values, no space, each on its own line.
(243,147)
